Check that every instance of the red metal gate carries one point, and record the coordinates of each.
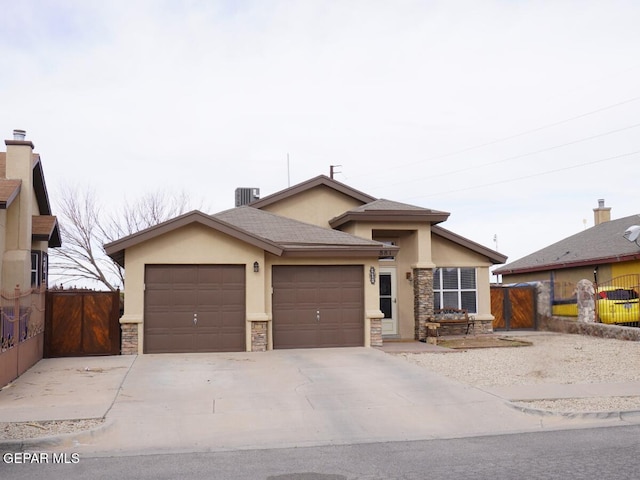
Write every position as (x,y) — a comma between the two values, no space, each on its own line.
(514,308)
(80,323)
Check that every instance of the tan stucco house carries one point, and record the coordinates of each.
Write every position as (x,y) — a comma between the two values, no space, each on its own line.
(27,230)
(319,264)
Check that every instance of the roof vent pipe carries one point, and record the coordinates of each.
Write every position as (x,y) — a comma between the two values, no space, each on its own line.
(19,134)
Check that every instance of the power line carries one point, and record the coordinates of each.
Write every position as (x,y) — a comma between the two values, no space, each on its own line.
(517,135)
(539,174)
(515,157)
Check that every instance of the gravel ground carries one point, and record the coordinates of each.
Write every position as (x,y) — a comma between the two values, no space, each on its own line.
(553,358)
(26,430)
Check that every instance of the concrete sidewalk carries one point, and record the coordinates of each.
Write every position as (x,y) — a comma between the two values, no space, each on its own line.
(212,402)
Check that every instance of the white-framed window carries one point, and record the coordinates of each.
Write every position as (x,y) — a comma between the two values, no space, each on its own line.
(456,288)
(391,243)
(39,268)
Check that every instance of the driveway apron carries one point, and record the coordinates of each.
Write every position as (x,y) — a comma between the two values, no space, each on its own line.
(208,402)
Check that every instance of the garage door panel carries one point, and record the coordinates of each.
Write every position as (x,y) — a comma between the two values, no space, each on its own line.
(174,293)
(337,292)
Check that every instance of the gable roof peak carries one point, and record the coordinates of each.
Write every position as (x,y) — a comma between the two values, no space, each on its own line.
(320,180)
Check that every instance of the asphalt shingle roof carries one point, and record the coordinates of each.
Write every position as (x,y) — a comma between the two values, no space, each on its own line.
(384,205)
(286,231)
(602,243)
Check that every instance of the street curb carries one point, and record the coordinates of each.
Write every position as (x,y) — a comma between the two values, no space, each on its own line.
(619,415)
(66,439)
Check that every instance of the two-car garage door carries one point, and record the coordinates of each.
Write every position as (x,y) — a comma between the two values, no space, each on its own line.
(202,308)
(194,308)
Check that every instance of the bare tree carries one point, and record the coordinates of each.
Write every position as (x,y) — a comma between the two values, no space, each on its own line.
(85,227)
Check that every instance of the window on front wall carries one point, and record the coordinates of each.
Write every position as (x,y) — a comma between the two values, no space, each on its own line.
(456,288)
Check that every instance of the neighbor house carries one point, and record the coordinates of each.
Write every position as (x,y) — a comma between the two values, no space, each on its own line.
(319,264)
(599,254)
(27,231)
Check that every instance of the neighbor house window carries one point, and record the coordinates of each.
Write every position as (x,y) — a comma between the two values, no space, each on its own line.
(39,268)
(456,288)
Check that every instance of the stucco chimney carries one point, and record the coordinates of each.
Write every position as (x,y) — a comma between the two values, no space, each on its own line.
(601,214)
(16,261)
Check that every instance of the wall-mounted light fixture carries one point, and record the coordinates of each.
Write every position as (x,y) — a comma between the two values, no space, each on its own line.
(256,267)
(409,277)
(372,275)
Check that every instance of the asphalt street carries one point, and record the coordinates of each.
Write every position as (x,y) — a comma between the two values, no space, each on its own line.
(609,453)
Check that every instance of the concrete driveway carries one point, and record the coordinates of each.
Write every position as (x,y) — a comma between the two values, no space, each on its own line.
(285,398)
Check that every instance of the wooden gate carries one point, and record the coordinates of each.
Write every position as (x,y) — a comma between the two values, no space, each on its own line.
(514,308)
(81,323)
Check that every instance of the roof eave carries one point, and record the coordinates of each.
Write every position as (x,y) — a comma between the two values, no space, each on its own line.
(40,187)
(4,204)
(390,216)
(116,249)
(337,251)
(562,266)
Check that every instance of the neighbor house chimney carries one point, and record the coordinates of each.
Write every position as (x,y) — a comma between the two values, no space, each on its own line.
(601,214)
(19,134)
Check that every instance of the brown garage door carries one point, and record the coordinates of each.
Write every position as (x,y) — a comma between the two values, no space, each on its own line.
(318,306)
(194,308)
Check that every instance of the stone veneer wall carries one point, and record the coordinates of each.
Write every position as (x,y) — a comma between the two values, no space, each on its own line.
(422,300)
(376,332)
(571,325)
(129,345)
(259,336)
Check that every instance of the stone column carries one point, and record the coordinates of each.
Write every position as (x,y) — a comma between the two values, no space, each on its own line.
(129,345)
(586,304)
(376,332)
(258,336)
(422,300)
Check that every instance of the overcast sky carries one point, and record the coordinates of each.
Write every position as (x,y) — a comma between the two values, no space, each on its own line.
(515,116)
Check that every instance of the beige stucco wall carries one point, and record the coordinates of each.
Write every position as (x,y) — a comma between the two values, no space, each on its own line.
(197,244)
(16,258)
(193,244)
(414,241)
(327,204)
(448,254)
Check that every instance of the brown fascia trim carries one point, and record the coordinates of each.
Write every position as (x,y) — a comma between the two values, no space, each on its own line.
(561,266)
(51,234)
(393,216)
(308,185)
(17,185)
(339,251)
(328,253)
(117,248)
(40,186)
(26,143)
(495,257)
